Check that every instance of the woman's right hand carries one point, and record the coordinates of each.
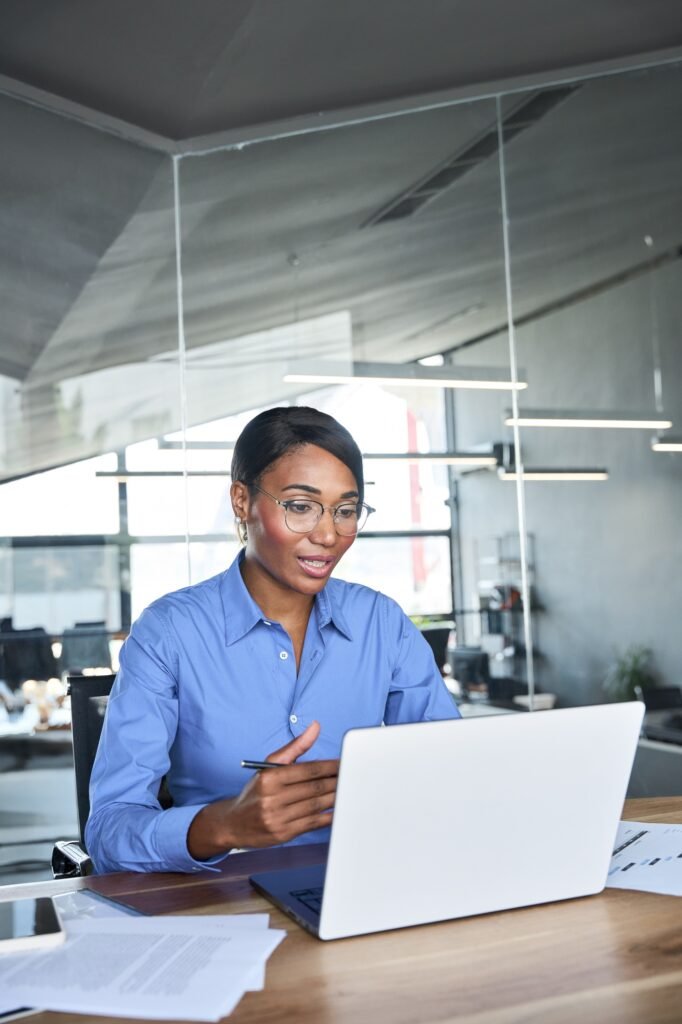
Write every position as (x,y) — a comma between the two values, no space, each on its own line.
(275,805)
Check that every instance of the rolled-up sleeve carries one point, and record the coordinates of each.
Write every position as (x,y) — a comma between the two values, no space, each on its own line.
(417,692)
(127,829)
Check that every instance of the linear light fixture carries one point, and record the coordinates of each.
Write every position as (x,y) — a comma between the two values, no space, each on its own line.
(666,444)
(585,419)
(439,458)
(553,475)
(202,446)
(409,375)
(132,474)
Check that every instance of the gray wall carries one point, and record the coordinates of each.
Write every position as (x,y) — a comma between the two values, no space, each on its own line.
(608,559)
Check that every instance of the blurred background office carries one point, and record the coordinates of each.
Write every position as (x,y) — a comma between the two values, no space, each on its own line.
(457,227)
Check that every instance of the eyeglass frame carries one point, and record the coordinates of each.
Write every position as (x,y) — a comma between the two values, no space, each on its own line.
(325,508)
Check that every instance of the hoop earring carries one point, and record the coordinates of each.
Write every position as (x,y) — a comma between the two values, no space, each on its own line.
(241,530)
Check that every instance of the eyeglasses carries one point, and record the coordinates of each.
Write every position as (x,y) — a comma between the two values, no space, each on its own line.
(302,515)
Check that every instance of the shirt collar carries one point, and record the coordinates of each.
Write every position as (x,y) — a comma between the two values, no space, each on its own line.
(242,613)
(239,608)
(328,608)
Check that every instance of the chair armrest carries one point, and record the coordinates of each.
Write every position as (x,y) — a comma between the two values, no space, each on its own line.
(69,860)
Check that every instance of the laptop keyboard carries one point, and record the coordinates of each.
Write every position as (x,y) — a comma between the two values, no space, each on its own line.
(310,898)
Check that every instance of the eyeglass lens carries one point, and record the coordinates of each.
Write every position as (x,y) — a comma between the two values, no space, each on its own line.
(303,516)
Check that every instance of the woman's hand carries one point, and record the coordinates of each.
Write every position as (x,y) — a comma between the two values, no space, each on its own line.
(275,805)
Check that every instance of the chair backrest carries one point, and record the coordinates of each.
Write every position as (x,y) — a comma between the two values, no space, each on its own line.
(85,646)
(437,637)
(89,696)
(470,667)
(25,654)
(659,698)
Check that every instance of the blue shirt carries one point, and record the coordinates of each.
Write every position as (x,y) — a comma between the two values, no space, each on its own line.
(206,680)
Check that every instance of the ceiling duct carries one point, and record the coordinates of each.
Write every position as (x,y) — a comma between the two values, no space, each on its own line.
(455,167)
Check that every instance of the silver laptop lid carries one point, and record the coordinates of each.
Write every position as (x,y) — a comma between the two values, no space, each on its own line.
(439,820)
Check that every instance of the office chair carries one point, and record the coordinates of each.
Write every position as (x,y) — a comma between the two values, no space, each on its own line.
(659,698)
(85,646)
(25,654)
(436,637)
(89,696)
(470,666)
(663,717)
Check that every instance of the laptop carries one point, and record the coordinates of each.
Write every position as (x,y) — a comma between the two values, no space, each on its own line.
(440,820)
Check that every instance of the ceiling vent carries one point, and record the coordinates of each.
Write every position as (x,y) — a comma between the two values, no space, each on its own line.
(455,167)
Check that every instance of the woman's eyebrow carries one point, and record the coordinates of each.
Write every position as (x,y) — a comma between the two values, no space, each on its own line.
(302,487)
(314,490)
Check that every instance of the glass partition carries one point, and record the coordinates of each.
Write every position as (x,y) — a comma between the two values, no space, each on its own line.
(595,207)
(340,251)
(88,267)
(327,252)
(87,258)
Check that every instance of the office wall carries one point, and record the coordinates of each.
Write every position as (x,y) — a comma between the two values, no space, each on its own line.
(606,554)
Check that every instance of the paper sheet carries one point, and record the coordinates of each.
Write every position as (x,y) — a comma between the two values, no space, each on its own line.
(186,968)
(647,857)
(70,905)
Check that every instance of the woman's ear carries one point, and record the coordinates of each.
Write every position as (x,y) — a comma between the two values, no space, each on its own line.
(239,496)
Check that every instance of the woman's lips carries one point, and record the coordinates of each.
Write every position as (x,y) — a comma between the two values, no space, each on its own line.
(318,568)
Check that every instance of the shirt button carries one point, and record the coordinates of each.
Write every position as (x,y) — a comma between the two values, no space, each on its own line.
(266,623)
(293,719)
(283,655)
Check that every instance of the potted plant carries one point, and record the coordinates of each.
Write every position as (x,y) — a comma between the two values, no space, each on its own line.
(631,673)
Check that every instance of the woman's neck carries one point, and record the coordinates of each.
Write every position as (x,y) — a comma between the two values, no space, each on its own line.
(277,602)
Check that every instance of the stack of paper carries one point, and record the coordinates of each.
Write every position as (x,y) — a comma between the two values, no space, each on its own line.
(177,968)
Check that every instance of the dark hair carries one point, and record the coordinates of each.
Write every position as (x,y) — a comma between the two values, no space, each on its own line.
(273,433)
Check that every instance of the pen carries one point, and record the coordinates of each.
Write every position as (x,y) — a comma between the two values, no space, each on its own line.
(261,764)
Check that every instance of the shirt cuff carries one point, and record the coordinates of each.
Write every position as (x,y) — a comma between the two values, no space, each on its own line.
(171,841)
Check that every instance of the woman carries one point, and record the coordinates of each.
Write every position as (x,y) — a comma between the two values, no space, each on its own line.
(271,660)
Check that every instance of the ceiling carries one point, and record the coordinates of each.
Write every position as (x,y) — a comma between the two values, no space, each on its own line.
(182,69)
(97,95)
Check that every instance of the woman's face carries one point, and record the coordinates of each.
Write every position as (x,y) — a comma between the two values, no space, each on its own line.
(302,562)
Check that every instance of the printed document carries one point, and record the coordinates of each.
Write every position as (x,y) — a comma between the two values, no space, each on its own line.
(647,857)
(175,968)
(71,905)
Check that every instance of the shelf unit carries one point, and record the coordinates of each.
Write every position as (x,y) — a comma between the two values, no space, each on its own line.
(499,602)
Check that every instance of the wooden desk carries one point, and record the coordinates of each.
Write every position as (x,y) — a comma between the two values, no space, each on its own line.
(615,957)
